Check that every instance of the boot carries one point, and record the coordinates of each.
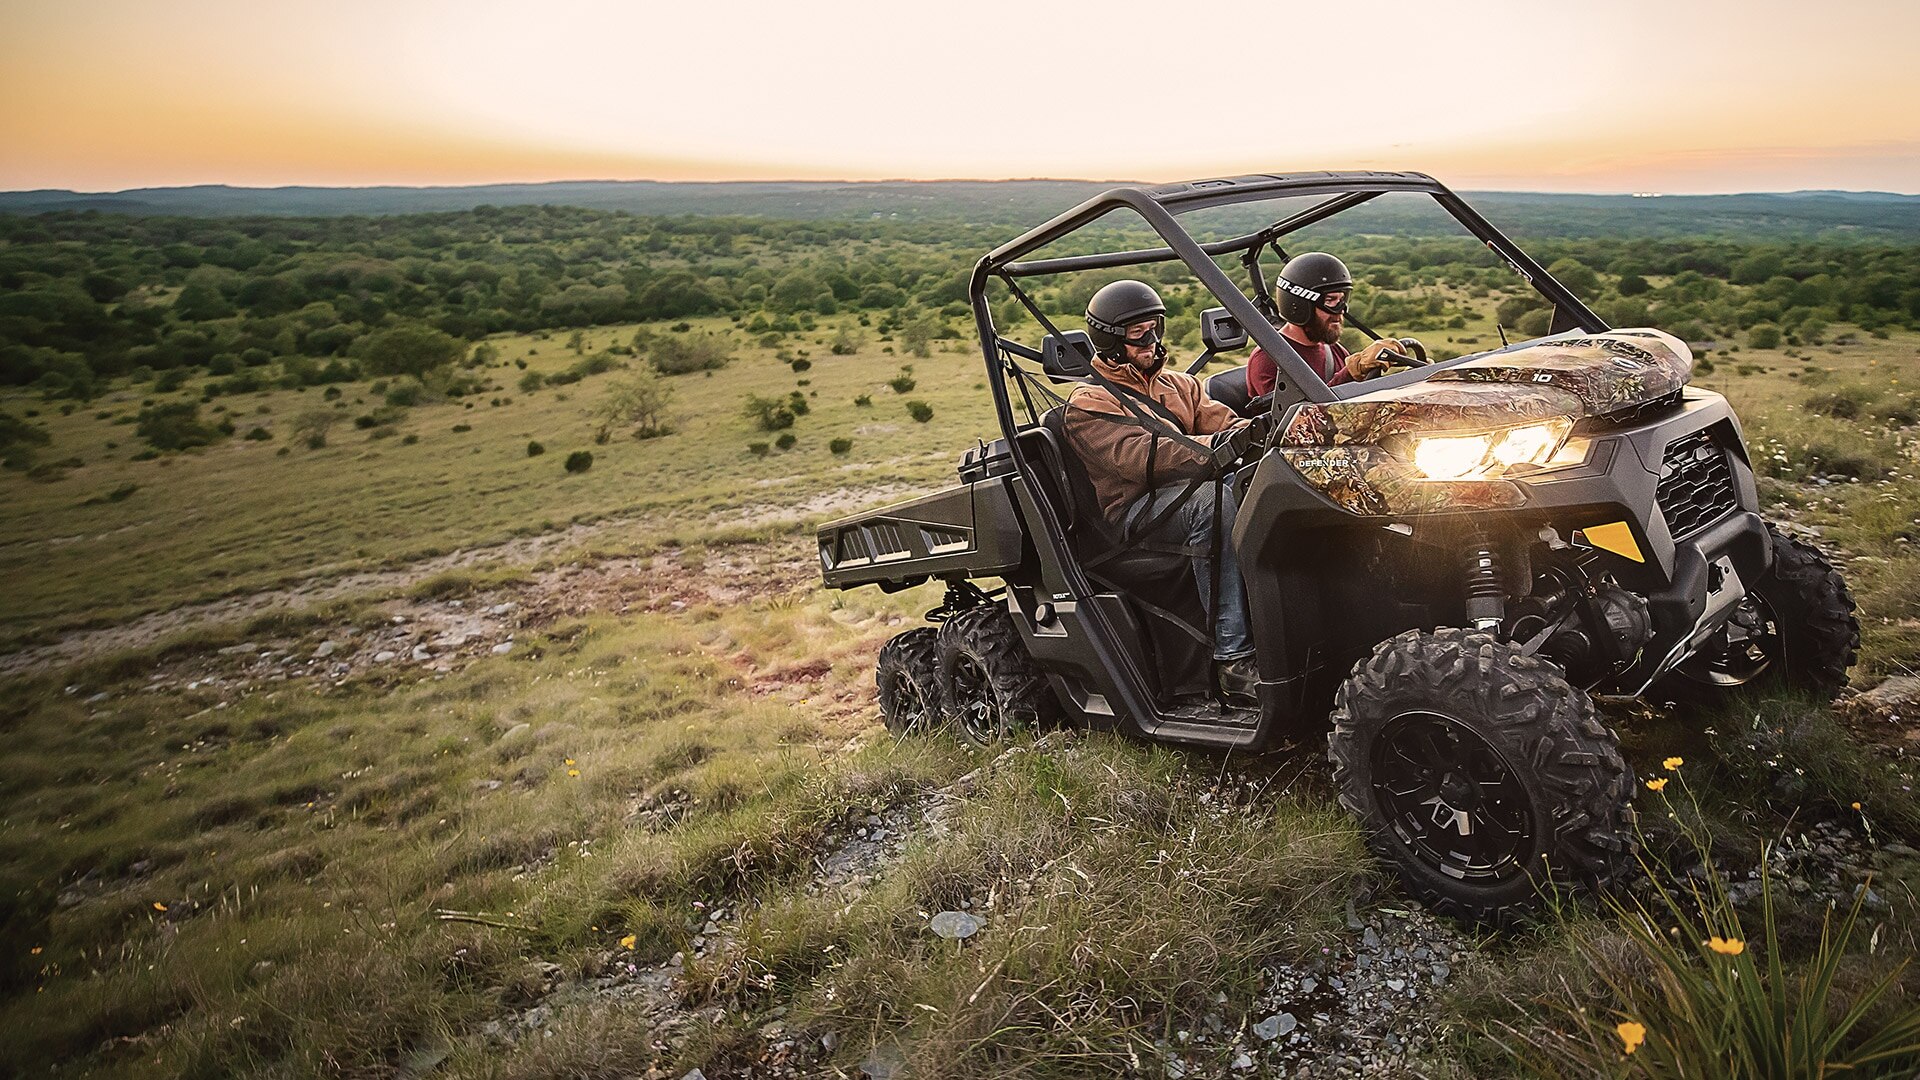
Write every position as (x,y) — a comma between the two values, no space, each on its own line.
(1237,681)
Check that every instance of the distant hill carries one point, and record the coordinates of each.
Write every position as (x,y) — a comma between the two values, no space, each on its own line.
(1827,215)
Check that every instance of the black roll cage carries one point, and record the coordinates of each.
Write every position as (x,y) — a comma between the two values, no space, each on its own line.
(1157,207)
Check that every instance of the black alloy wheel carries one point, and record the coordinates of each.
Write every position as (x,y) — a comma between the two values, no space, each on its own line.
(988,685)
(1452,797)
(908,678)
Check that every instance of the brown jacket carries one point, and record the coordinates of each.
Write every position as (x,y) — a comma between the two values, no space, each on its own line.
(1116,452)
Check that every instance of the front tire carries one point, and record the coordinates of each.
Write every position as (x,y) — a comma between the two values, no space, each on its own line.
(987,680)
(1480,773)
(907,674)
(1795,630)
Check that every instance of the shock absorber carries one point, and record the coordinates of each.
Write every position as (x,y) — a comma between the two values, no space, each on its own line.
(1486,601)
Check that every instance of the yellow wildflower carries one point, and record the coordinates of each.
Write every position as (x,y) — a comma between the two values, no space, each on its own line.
(1856,806)
(1673,764)
(1726,946)
(1631,1035)
(569,761)
(627,942)
(573,772)
(1657,785)
(36,950)
(158,906)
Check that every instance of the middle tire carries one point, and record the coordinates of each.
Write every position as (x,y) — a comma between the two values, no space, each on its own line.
(987,681)
(1480,773)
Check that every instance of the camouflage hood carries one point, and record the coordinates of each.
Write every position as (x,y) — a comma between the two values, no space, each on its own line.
(1577,376)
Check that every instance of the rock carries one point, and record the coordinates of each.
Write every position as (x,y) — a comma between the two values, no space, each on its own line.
(421,652)
(398,619)
(384,655)
(1396,985)
(326,649)
(503,648)
(1899,692)
(1275,1026)
(1868,899)
(954,925)
(488,785)
(694,1074)
(1242,1061)
(500,609)
(517,732)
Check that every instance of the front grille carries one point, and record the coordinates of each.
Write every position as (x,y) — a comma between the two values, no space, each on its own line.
(1696,486)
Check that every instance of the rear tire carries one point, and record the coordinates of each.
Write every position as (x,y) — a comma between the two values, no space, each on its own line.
(1795,631)
(987,680)
(1480,773)
(907,674)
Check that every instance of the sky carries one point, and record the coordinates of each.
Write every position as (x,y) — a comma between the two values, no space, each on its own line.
(1608,96)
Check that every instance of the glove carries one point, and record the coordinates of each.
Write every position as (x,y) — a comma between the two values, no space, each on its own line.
(1231,445)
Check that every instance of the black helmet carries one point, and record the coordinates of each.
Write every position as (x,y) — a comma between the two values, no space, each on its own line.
(1304,280)
(1117,306)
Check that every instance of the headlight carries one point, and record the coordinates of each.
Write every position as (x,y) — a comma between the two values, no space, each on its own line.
(1488,454)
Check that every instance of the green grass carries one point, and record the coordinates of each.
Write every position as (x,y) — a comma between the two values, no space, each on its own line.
(237,517)
(300,838)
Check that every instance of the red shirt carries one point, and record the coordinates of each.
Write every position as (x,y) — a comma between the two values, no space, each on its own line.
(1327,361)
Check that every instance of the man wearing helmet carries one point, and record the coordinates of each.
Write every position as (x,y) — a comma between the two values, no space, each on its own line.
(1312,292)
(1153,444)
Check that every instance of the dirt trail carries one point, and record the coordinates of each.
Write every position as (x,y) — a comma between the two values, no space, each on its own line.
(616,585)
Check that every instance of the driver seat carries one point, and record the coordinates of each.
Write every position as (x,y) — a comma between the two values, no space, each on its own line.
(1182,665)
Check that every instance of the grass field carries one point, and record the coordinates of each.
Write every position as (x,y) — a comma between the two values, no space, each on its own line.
(662,827)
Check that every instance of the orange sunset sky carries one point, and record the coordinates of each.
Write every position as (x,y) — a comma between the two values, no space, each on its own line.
(1610,96)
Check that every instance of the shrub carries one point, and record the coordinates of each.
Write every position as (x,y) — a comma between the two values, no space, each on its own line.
(920,411)
(411,349)
(534,449)
(840,446)
(311,427)
(532,381)
(757,449)
(797,402)
(579,461)
(1764,336)
(902,383)
(847,341)
(406,394)
(785,441)
(461,429)
(800,365)
(864,401)
(771,414)
(174,426)
(1841,403)
(409,439)
(259,434)
(638,402)
(694,352)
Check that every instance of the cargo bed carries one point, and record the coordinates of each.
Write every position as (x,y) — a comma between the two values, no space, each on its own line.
(969,530)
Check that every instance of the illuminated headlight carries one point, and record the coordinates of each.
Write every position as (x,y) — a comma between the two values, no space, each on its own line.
(1488,454)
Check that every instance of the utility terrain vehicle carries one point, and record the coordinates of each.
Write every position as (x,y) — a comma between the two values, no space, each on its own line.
(1444,566)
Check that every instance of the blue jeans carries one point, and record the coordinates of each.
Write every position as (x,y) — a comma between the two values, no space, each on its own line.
(1192,526)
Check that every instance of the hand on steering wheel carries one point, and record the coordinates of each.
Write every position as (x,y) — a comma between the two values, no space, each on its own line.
(1409,354)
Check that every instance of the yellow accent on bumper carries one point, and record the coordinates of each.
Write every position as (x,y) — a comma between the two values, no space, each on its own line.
(1616,537)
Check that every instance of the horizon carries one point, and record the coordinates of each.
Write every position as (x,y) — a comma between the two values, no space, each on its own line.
(376,186)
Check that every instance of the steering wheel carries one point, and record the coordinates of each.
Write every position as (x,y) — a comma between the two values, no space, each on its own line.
(1410,354)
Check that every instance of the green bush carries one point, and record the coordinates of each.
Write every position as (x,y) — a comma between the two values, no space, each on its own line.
(920,411)
(579,461)
(785,441)
(771,414)
(534,449)
(259,434)
(902,383)
(757,449)
(840,446)
(532,381)
(694,352)
(1841,403)
(864,401)
(1764,336)
(174,426)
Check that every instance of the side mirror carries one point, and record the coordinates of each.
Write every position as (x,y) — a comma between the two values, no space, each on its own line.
(1068,355)
(1220,331)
